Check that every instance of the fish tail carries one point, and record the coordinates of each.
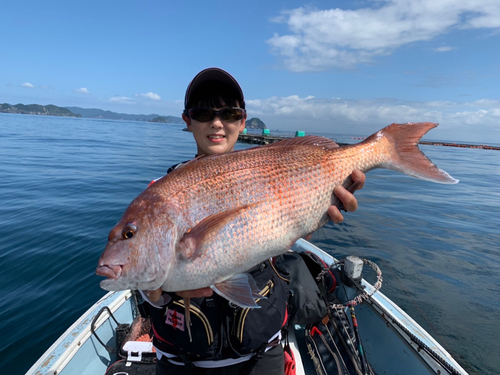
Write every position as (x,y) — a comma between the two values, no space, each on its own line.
(405,156)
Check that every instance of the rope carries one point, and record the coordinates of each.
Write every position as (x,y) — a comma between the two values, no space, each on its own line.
(360,298)
(363,295)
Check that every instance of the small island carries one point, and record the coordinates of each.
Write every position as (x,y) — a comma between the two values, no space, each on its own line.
(255,123)
(36,109)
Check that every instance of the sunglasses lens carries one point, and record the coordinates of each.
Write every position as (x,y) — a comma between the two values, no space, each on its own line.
(231,114)
(208,114)
(202,114)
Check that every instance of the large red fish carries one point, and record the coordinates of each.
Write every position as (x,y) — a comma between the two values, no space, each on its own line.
(209,221)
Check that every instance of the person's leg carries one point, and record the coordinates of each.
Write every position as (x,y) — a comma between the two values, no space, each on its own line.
(272,363)
(167,368)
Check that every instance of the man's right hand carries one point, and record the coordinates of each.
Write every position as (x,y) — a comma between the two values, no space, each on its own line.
(154,295)
(196,293)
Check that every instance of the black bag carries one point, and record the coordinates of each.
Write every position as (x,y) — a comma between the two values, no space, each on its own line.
(311,285)
(326,276)
(122,366)
(333,347)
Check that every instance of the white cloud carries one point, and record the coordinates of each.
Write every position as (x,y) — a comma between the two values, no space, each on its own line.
(322,39)
(82,90)
(121,99)
(444,49)
(28,85)
(478,120)
(151,96)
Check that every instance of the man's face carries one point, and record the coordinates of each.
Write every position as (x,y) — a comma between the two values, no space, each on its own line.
(215,136)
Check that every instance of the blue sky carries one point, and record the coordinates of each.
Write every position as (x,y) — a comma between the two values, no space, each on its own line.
(347,67)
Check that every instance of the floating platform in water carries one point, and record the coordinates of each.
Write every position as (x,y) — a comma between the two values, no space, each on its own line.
(268,139)
(464,145)
(259,139)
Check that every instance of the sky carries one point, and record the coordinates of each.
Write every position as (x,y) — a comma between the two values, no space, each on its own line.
(346,67)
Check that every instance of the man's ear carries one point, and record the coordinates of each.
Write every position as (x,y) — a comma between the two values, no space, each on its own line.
(187,120)
(242,125)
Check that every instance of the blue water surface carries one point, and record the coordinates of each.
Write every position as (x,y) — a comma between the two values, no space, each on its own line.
(64,183)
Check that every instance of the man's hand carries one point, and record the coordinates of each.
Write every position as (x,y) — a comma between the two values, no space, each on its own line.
(154,295)
(347,197)
(196,293)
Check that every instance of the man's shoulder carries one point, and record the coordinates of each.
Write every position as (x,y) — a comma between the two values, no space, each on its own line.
(171,169)
(175,166)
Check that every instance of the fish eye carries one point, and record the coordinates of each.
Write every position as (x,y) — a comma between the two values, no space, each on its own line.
(129,231)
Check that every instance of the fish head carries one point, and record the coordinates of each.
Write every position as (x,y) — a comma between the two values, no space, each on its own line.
(140,248)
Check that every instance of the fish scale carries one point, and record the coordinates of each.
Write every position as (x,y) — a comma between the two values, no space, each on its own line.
(215,217)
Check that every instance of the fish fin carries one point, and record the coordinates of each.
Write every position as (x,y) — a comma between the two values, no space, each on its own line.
(406,156)
(187,310)
(240,289)
(190,245)
(308,140)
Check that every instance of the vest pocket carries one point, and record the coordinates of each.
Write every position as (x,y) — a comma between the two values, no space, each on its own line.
(253,327)
(241,316)
(197,315)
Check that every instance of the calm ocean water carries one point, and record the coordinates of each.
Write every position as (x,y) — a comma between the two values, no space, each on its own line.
(65,182)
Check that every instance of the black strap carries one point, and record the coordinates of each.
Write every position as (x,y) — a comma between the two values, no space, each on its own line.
(188,363)
(252,362)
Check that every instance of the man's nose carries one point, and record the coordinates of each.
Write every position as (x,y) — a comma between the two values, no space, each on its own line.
(216,122)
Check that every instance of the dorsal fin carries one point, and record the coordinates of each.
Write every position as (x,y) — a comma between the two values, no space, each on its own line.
(308,140)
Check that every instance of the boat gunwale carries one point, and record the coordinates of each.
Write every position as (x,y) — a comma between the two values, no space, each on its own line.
(58,355)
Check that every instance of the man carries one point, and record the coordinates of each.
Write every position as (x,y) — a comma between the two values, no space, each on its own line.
(226,339)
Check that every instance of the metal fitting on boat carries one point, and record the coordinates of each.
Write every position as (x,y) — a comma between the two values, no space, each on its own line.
(353,267)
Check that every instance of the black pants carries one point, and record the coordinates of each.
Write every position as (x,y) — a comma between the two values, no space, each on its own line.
(271,363)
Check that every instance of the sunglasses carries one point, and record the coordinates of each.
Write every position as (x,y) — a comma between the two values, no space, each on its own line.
(203,114)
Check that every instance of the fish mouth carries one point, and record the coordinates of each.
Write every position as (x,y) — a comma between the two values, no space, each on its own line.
(112,272)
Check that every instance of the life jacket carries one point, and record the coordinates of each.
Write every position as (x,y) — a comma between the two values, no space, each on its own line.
(220,329)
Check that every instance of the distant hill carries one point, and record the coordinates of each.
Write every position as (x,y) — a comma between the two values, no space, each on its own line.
(255,123)
(37,109)
(159,119)
(99,113)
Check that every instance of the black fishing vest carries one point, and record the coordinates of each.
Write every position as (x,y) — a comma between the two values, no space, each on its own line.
(219,329)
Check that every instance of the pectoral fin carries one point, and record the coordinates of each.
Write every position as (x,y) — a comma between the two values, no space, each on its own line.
(240,289)
(191,244)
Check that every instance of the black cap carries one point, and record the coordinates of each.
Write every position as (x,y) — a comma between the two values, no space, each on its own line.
(215,75)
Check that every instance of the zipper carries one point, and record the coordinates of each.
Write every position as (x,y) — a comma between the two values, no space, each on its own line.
(203,318)
(244,312)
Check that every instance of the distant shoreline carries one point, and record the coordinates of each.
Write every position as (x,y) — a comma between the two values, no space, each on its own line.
(245,138)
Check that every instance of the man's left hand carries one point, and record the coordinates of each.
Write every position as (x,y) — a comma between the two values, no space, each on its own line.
(348,200)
